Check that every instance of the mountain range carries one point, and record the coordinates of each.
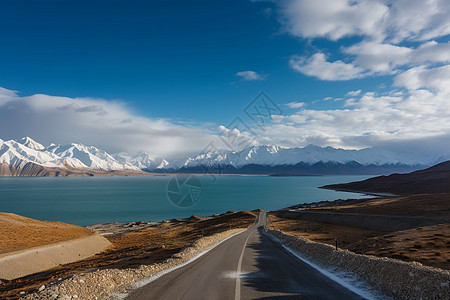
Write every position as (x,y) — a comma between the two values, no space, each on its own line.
(24,156)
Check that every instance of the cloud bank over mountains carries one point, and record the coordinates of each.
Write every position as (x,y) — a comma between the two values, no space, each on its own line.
(109,125)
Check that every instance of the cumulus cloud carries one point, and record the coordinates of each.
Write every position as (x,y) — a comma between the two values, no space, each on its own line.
(378,57)
(109,125)
(318,66)
(251,75)
(413,120)
(353,93)
(370,120)
(418,20)
(392,35)
(437,79)
(332,19)
(392,20)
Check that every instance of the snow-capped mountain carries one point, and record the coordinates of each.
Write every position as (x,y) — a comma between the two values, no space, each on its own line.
(30,143)
(20,153)
(81,156)
(142,161)
(271,155)
(26,150)
(16,154)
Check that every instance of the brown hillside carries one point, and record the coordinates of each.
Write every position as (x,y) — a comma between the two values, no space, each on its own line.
(19,233)
(428,181)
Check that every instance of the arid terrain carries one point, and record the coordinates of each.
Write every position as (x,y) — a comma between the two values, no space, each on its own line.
(429,245)
(18,233)
(134,244)
(424,205)
(433,180)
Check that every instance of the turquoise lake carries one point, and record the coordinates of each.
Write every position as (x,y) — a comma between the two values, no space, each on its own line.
(90,200)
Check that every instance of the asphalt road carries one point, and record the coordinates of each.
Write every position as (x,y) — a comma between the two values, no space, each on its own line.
(266,271)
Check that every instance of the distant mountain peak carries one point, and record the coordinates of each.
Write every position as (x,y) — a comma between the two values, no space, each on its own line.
(30,143)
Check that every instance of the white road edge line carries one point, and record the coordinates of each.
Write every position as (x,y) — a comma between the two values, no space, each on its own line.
(146,281)
(237,292)
(359,291)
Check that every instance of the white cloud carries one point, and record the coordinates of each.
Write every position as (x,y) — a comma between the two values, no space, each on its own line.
(391,20)
(318,66)
(371,120)
(295,105)
(353,93)
(428,78)
(378,57)
(418,19)
(431,52)
(393,35)
(109,125)
(251,75)
(332,19)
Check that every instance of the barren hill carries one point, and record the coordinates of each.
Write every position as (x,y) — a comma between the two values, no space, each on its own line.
(433,180)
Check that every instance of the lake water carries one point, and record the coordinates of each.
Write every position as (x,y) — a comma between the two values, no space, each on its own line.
(90,200)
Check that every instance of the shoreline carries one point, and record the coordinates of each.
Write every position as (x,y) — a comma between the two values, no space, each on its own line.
(144,174)
(376,194)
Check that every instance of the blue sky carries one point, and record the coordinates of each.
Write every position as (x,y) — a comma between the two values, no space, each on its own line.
(172,59)
(348,74)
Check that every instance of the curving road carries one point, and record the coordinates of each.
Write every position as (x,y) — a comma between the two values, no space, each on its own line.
(266,271)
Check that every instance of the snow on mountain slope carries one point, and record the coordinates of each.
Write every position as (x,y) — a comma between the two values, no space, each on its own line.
(164,164)
(276,155)
(141,160)
(30,143)
(16,154)
(79,156)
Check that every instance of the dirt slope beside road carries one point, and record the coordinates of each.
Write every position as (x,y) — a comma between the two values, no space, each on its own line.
(18,233)
(28,246)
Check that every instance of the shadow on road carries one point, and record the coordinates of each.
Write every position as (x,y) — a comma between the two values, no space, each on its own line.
(281,275)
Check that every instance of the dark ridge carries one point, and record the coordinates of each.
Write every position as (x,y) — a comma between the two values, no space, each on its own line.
(300,169)
(435,179)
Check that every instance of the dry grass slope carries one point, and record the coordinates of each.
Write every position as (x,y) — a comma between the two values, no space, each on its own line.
(19,233)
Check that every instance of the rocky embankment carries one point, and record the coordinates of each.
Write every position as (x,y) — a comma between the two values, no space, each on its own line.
(394,278)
